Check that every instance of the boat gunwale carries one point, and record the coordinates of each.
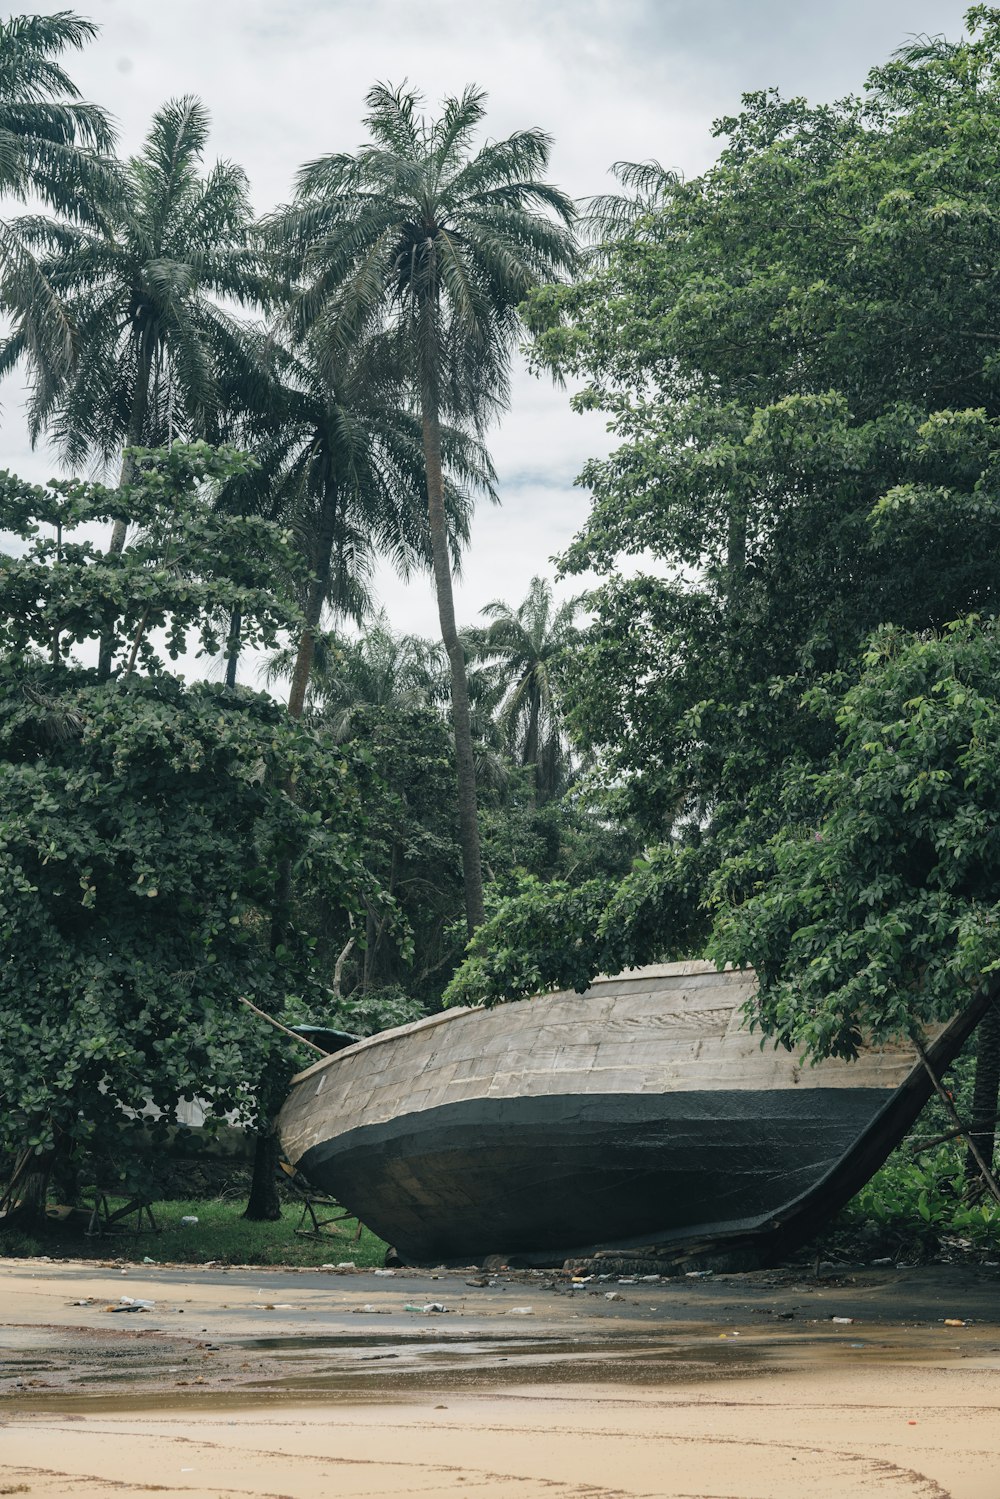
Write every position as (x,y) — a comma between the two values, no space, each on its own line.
(689,967)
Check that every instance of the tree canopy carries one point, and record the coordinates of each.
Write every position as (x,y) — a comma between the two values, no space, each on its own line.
(881,911)
(141,818)
(796,351)
(772,375)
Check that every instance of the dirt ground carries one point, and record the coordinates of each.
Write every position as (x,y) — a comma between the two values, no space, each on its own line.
(307,1384)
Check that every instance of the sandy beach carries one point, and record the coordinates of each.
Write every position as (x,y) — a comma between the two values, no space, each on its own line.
(311,1384)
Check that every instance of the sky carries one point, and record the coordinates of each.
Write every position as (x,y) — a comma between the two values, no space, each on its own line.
(609,80)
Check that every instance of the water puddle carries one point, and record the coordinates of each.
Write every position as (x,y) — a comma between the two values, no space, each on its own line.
(322,1368)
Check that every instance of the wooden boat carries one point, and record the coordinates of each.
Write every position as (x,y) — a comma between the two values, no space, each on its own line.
(639,1117)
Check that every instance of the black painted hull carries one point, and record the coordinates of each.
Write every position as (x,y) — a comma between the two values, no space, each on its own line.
(536,1161)
(553,1177)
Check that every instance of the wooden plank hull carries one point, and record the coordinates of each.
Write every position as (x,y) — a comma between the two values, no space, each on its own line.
(640,1115)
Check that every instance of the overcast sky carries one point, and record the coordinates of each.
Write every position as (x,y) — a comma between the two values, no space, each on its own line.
(608,79)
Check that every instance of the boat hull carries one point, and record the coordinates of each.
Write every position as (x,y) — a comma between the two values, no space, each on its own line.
(638,1116)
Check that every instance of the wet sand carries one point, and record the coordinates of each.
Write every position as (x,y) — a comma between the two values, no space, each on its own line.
(308,1384)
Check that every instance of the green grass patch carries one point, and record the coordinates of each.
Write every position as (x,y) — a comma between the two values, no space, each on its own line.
(221,1234)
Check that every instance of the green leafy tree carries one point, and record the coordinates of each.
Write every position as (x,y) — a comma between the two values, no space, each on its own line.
(779,345)
(141,818)
(880,913)
(385,693)
(440,245)
(797,351)
(412,851)
(382,693)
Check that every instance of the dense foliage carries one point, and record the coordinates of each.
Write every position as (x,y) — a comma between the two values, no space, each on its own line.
(772,373)
(437,243)
(141,818)
(883,911)
(796,352)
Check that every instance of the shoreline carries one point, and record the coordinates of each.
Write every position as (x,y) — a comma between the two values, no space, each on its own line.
(266,1382)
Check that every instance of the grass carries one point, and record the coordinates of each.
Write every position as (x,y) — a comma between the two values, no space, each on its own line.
(220,1235)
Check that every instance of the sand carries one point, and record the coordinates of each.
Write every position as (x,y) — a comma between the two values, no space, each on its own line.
(307,1386)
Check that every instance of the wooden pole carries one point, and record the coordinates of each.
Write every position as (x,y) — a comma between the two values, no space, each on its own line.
(992,1185)
(283,1028)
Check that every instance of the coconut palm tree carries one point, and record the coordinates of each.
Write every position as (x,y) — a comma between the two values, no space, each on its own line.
(610,217)
(342,460)
(378,669)
(45,126)
(139,279)
(438,244)
(53,146)
(522,650)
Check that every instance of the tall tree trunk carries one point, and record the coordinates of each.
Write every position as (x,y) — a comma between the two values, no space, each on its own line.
(136,429)
(233,648)
(986,1089)
(531,747)
(472,868)
(318,590)
(264,1203)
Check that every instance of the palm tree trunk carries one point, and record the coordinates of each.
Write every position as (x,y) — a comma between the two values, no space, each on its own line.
(136,428)
(531,747)
(318,591)
(472,868)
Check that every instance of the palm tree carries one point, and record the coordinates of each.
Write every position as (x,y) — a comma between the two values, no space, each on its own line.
(52,147)
(610,217)
(342,460)
(523,649)
(138,280)
(378,669)
(438,246)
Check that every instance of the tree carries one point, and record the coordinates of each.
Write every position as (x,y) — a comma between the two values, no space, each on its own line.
(647,186)
(797,353)
(385,694)
(441,247)
(341,458)
(381,692)
(379,668)
(880,912)
(522,652)
(137,279)
(140,818)
(51,147)
(771,345)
